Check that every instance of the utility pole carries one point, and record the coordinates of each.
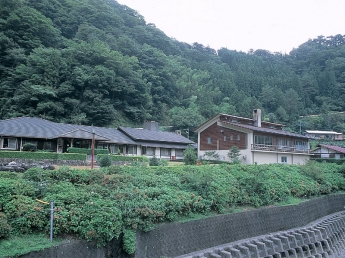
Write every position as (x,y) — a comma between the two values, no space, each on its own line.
(92,149)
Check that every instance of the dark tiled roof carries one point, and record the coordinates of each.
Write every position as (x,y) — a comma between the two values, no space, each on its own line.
(30,127)
(266,130)
(335,148)
(154,136)
(83,134)
(33,128)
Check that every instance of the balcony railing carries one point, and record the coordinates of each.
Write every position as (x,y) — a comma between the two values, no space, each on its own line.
(278,148)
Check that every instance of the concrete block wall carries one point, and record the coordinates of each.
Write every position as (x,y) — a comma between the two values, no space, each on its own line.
(176,239)
(322,239)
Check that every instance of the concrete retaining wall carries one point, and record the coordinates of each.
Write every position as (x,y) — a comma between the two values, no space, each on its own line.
(176,239)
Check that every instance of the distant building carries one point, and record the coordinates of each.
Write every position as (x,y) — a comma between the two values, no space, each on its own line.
(259,142)
(330,135)
(58,137)
(329,151)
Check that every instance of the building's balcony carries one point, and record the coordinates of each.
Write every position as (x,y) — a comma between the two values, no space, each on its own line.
(278,148)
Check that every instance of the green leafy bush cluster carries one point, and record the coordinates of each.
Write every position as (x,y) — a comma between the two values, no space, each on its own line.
(119,158)
(42,155)
(101,204)
(87,151)
(328,160)
(104,161)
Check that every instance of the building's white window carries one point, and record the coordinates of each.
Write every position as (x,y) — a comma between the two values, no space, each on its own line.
(148,151)
(209,140)
(231,137)
(132,149)
(238,137)
(224,137)
(9,143)
(178,153)
(284,159)
(165,152)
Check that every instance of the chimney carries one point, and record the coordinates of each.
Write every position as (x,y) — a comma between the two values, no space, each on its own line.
(257,117)
(151,125)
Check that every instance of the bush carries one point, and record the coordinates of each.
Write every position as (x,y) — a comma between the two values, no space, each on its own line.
(104,161)
(87,151)
(129,240)
(120,158)
(154,161)
(233,154)
(163,162)
(41,155)
(29,147)
(189,156)
(5,228)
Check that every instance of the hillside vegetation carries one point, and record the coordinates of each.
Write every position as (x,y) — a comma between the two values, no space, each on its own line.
(102,204)
(99,62)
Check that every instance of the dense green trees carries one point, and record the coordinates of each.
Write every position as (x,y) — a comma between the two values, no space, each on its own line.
(98,62)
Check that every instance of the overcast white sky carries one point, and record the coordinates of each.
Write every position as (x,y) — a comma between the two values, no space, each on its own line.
(274,25)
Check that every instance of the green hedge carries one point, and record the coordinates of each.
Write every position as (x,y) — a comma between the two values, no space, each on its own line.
(328,160)
(116,158)
(41,155)
(87,151)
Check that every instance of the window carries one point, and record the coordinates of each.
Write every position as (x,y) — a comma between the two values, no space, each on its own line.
(284,144)
(224,138)
(50,146)
(284,159)
(9,143)
(231,137)
(132,149)
(209,140)
(165,152)
(116,149)
(301,145)
(238,137)
(178,153)
(102,145)
(148,151)
(263,140)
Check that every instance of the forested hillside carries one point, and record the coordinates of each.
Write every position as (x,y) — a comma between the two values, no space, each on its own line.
(98,62)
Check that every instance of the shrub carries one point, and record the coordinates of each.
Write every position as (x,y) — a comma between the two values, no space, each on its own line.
(129,240)
(29,147)
(189,156)
(87,151)
(154,161)
(233,154)
(42,155)
(163,162)
(5,228)
(104,161)
(211,155)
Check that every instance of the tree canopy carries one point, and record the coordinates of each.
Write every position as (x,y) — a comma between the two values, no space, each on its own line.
(99,62)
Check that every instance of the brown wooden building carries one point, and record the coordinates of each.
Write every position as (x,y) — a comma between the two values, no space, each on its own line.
(259,142)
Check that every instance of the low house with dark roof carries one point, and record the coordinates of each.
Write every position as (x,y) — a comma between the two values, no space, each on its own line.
(58,137)
(259,142)
(329,135)
(328,151)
